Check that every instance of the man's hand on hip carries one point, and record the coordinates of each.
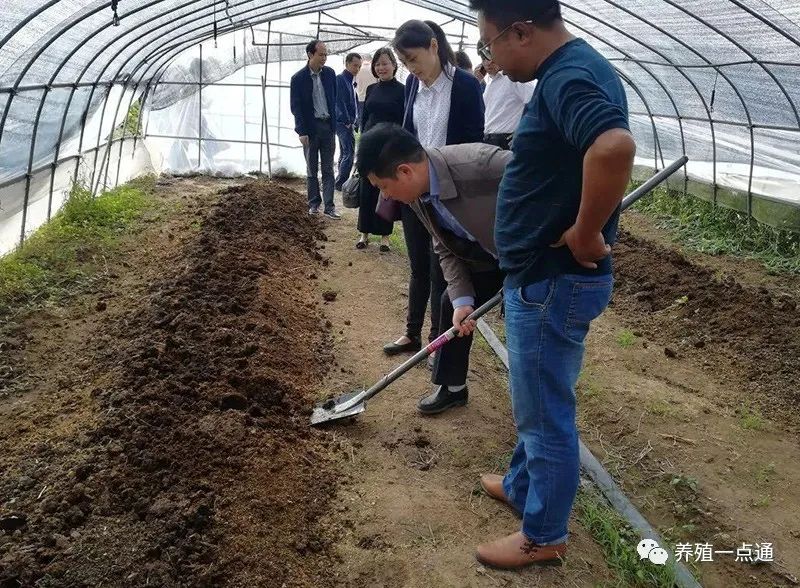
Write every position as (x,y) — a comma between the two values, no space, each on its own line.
(461,313)
(587,248)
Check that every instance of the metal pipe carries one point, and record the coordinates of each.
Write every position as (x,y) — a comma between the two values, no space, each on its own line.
(200,114)
(220,140)
(656,142)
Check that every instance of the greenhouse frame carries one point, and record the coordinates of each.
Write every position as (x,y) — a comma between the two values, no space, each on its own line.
(716,81)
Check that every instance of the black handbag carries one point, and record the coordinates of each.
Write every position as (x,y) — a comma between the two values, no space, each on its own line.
(351,191)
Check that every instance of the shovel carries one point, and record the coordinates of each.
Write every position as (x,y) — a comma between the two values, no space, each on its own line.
(349,405)
(354,403)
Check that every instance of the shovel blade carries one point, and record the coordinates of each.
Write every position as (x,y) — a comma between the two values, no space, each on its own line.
(327,411)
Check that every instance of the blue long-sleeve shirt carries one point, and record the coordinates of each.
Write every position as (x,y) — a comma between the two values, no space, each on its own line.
(346,112)
(579,97)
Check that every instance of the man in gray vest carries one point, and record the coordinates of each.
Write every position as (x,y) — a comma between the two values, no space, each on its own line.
(453,190)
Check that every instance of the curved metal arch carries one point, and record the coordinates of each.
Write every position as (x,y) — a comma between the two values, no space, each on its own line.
(164,48)
(91,62)
(438,9)
(646,69)
(739,94)
(58,69)
(79,18)
(207,35)
(766,21)
(21,24)
(108,45)
(38,53)
(746,51)
(708,111)
(656,142)
(85,69)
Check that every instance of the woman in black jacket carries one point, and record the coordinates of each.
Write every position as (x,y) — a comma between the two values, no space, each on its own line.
(444,106)
(384,103)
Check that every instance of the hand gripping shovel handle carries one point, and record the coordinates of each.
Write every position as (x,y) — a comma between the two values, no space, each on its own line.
(450,334)
(437,343)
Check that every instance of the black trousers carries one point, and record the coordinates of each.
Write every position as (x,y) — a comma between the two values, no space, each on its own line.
(452,361)
(502,140)
(427,281)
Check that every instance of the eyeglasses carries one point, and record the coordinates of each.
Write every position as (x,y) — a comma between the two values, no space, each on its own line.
(485,52)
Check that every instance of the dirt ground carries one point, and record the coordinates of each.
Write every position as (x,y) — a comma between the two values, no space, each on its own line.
(695,415)
(154,432)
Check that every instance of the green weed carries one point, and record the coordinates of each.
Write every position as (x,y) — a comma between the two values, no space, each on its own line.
(700,225)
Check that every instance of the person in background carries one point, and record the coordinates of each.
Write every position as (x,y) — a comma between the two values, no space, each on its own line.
(557,215)
(346,118)
(453,191)
(313,103)
(463,61)
(505,100)
(443,107)
(384,104)
(364,79)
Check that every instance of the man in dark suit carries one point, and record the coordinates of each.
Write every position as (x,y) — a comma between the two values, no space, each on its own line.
(346,116)
(313,101)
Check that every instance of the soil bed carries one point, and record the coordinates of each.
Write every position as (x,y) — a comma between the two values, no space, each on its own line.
(194,463)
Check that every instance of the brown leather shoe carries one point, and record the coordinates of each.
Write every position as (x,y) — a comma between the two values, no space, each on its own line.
(492,484)
(517,551)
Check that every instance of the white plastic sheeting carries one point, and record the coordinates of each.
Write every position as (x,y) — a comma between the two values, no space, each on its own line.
(718,79)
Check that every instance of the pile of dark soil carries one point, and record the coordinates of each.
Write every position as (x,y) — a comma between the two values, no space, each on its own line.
(200,468)
(753,334)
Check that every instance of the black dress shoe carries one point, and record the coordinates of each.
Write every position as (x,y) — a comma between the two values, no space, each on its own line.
(411,347)
(441,399)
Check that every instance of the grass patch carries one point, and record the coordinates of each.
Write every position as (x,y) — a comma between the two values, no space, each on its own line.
(626,338)
(765,474)
(686,482)
(132,125)
(660,408)
(397,241)
(588,387)
(619,541)
(69,250)
(750,419)
(700,225)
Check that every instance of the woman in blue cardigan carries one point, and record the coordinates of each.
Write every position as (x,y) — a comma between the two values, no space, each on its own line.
(444,106)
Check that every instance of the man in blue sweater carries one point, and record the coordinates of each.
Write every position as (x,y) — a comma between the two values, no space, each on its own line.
(557,215)
(313,102)
(346,116)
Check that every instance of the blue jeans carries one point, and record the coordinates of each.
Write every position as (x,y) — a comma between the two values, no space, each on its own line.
(546,324)
(347,150)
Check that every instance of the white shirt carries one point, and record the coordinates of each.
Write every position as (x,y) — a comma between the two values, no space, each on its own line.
(432,110)
(505,101)
(364,79)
